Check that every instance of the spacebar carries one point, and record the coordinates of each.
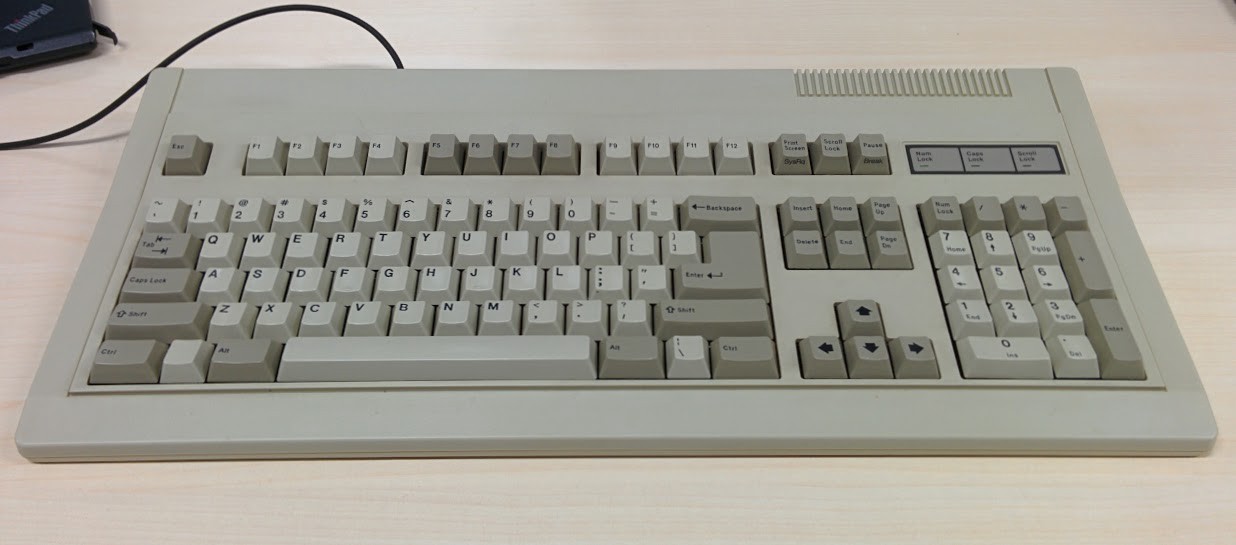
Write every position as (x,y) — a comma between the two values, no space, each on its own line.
(370,359)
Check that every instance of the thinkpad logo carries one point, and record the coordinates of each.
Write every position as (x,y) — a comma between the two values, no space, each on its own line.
(28,19)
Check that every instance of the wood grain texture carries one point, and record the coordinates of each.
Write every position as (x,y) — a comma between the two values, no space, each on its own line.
(1160,78)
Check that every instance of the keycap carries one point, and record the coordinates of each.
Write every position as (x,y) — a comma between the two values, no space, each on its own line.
(1083,267)
(1004,358)
(347,250)
(351,284)
(639,248)
(185,362)
(346,156)
(307,285)
(913,357)
(266,156)
(523,156)
(522,284)
(1059,317)
(251,215)
(629,318)
(306,156)
(821,358)
(860,317)
(480,284)
(561,156)
(588,318)
(515,248)
(187,155)
(220,285)
(707,214)
(473,249)
(166,216)
(715,318)
(983,214)
(617,157)
(658,215)
(556,248)
(163,322)
(949,248)
(244,360)
(867,357)
(127,362)
(292,216)
(232,321)
(1002,282)
(1073,357)
(598,248)
(334,215)
(305,250)
(805,250)
(1024,213)
(829,154)
(618,215)
(868,154)
(539,214)
(686,357)
(457,214)
(443,155)
(959,282)
(1065,214)
(497,215)
(411,319)
(220,250)
(736,269)
(680,248)
(941,213)
(656,156)
(1045,282)
(160,285)
(367,319)
(387,156)
(277,321)
(389,249)
(374,215)
(208,216)
(993,248)
(566,283)
(432,248)
(483,156)
(847,250)
(1035,247)
(631,358)
(608,283)
(1015,318)
(322,320)
(394,284)
(499,318)
(969,318)
(166,251)
(1119,357)
(798,214)
(416,215)
(265,285)
(888,250)
(744,358)
(790,155)
(360,359)
(732,156)
(694,156)
(880,214)
(840,214)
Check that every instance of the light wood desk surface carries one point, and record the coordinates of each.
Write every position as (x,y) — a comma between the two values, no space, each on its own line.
(1161,76)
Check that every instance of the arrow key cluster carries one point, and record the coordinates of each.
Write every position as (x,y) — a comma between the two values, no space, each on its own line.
(825,357)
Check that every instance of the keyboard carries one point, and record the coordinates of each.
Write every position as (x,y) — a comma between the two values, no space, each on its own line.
(382,263)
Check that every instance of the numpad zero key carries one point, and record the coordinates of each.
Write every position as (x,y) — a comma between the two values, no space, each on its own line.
(381,263)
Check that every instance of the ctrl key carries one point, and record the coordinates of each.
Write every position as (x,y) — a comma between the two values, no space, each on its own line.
(744,357)
(127,362)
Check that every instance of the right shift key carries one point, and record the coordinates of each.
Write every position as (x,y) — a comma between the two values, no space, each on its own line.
(1083,267)
(1119,357)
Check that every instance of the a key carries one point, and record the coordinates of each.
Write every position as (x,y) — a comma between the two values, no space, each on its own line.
(628,318)
(561,156)
(1035,247)
(631,357)
(411,319)
(983,214)
(251,215)
(804,250)
(334,215)
(680,248)
(707,214)
(735,270)
(1119,357)
(277,321)
(616,157)
(497,215)
(443,155)
(790,155)
(220,285)
(1002,282)
(847,250)
(220,250)
(480,284)
(456,318)
(1003,358)
(651,283)
(1024,213)
(351,284)
(346,156)
(868,154)
(656,156)
(821,358)
(484,155)
(367,319)
(744,358)
(686,357)
(186,362)
(618,215)
(394,284)
(859,318)
(588,318)
(322,320)
(187,155)
(292,216)
(1059,317)
(840,214)
(658,215)
(1045,282)
(539,214)
(732,156)
(798,214)
(374,215)
(167,250)
(913,357)
(473,248)
(432,248)
(880,214)
(993,248)
(347,250)
(578,215)
(387,156)
(1072,356)
(499,318)
(457,214)
(231,321)
(639,248)
(598,248)
(262,250)
(209,215)
(941,213)
(867,357)
(969,318)
(265,285)
(523,157)
(244,360)
(888,250)
(694,156)
(556,248)
(166,216)
(308,284)
(306,156)
(514,248)
(959,282)
(713,318)
(522,284)
(389,249)
(305,250)
(543,318)
(159,285)
(608,283)
(1065,214)
(416,215)
(1015,318)
(829,154)
(950,247)
(438,284)
(566,283)
(1083,267)
(127,362)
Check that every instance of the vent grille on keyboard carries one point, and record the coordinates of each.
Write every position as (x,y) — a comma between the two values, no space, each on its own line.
(912,83)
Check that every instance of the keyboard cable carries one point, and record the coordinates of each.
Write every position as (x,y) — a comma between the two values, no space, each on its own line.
(107,110)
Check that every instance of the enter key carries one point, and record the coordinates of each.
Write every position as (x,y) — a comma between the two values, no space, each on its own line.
(735,269)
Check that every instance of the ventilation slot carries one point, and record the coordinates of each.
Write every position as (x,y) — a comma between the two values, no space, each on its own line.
(902,83)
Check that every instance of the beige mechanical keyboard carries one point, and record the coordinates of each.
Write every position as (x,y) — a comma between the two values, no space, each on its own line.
(370,263)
